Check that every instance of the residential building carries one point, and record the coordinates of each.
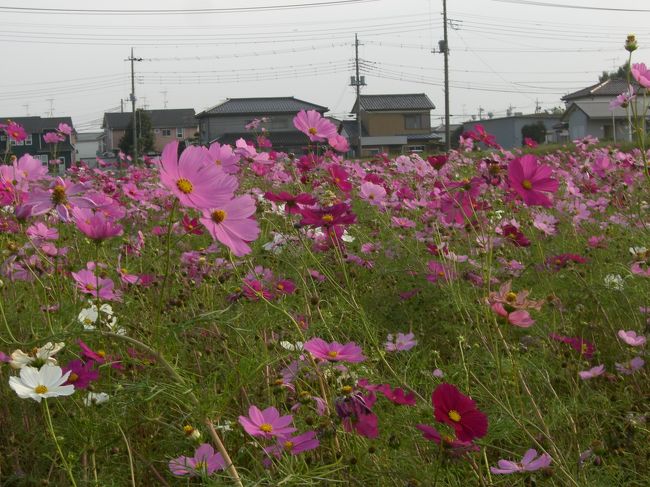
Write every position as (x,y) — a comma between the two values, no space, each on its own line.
(507,130)
(168,125)
(588,112)
(34,145)
(225,123)
(88,146)
(396,123)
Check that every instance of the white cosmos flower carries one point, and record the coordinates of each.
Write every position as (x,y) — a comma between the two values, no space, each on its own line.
(291,346)
(88,317)
(41,383)
(346,237)
(39,356)
(614,281)
(94,398)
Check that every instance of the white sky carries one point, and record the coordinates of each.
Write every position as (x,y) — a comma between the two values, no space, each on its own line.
(501,53)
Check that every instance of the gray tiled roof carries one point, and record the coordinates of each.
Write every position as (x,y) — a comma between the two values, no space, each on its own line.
(170,118)
(609,87)
(261,106)
(414,101)
(598,109)
(34,125)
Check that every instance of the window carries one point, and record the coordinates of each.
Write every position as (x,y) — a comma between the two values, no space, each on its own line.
(43,158)
(416,148)
(28,140)
(415,121)
(166,132)
(179,133)
(156,131)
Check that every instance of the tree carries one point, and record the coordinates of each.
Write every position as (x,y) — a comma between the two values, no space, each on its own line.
(145,134)
(535,131)
(620,73)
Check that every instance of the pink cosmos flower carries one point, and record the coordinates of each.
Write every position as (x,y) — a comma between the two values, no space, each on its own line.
(401,342)
(334,352)
(231,224)
(459,411)
(529,463)
(339,143)
(89,283)
(95,225)
(194,178)
(64,128)
(294,444)
(62,196)
(224,157)
(439,271)
(591,373)
(624,99)
(641,74)
(630,367)
(455,445)
(531,180)
(204,462)
(291,203)
(39,231)
(631,338)
(520,317)
(53,138)
(312,124)
(372,193)
(583,347)
(340,177)
(266,424)
(15,132)
(355,411)
(81,374)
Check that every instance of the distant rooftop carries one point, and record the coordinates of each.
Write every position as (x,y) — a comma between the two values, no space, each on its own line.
(598,109)
(413,101)
(519,115)
(610,87)
(261,106)
(38,124)
(169,118)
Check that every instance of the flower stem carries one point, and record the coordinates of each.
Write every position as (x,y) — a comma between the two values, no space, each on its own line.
(48,418)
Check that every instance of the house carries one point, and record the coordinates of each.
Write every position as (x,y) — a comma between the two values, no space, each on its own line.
(168,125)
(507,130)
(225,123)
(396,124)
(588,111)
(36,127)
(440,131)
(88,146)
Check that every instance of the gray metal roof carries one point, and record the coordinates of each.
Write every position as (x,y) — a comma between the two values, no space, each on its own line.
(415,101)
(34,125)
(598,109)
(261,106)
(170,118)
(609,87)
(88,136)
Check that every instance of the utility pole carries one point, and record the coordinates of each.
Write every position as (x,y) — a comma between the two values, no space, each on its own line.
(358,82)
(121,105)
(480,113)
(26,105)
(446,54)
(134,121)
(164,94)
(51,100)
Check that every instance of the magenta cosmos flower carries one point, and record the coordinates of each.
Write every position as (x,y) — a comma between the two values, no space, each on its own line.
(631,338)
(89,283)
(641,74)
(531,180)
(458,411)
(312,124)
(294,444)
(334,352)
(81,374)
(204,462)
(231,224)
(194,178)
(15,132)
(529,463)
(267,424)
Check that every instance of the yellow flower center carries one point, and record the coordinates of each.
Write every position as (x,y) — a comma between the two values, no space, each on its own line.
(346,389)
(313,131)
(583,348)
(280,287)
(201,466)
(328,218)
(58,195)
(454,416)
(184,186)
(332,354)
(90,287)
(188,429)
(40,389)
(73,377)
(218,216)
(288,445)
(511,296)
(101,353)
(218,162)
(527,184)
(266,427)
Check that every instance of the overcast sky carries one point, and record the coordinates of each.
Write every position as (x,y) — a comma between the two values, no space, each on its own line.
(502,53)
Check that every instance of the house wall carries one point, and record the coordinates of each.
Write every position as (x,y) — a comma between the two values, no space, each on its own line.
(160,140)
(393,123)
(507,130)
(87,149)
(214,126)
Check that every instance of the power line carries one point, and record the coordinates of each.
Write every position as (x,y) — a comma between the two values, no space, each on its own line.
(201,11)
(577,7)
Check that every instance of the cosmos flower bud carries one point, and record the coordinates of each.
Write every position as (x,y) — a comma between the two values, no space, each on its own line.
(630,43)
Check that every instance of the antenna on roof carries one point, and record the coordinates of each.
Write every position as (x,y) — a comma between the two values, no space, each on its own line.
(164,94)
(51,100)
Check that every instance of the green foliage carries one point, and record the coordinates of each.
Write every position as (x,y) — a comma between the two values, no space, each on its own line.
(144,131)
(535,131)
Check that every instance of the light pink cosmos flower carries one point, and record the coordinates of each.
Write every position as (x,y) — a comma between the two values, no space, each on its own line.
(630,367)
(631,338)
(64,128)
(39,231)
(372,193)
(266,424)
(400,343)
(53,138)
(529,463)
(623,99)
(294,444)
(224,158)
(312,124)
(641,74)
(95,225)
(231,224)
(593,372)
(194,178)
(62,196)
(334,352)
(339,143)
(531,180)
(520,317)
(204,462)
(89,283)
